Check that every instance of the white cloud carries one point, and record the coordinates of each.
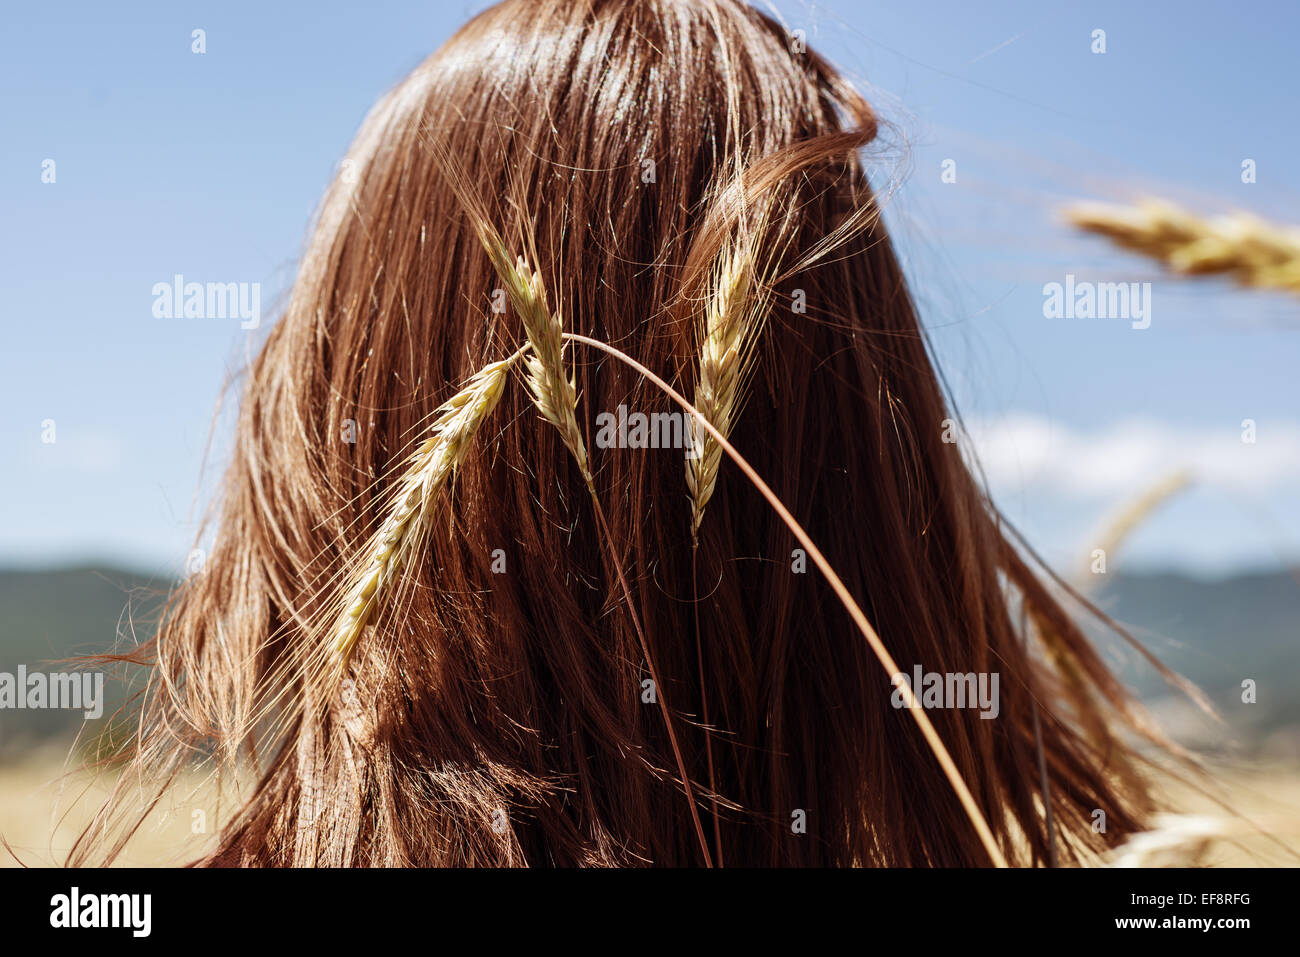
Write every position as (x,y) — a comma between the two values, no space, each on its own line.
(1020,451)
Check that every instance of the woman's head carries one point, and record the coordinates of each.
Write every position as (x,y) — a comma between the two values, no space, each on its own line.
(500,705)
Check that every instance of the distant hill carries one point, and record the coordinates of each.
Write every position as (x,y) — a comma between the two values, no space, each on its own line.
(48,615)
(1215,632)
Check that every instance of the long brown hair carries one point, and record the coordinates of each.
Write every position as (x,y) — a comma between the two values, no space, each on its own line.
(554,677)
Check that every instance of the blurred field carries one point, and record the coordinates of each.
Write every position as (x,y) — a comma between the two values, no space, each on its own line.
(1265,831)
(42,810)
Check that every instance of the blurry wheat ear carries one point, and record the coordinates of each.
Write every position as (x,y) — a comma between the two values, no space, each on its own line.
(428,472)
(730,325)
(1247,249)
(554,393)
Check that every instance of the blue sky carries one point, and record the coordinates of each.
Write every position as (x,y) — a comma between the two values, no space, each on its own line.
(211,165)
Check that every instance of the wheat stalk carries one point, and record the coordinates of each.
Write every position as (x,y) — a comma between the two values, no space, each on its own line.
(556,397)
(427,473)
(1251,251)
(730,322)
(912,705)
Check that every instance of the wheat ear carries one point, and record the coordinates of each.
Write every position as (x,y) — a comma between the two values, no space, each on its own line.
(1247,249)
(730,322)
(429,469)
(1121,525)
(554,393)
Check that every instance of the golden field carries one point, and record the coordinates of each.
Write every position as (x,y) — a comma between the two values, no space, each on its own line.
(1253,810)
